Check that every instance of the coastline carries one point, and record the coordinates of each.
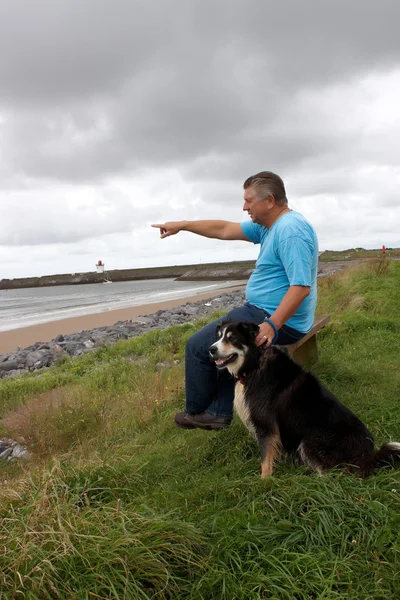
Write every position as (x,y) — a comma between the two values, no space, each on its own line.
(27,336)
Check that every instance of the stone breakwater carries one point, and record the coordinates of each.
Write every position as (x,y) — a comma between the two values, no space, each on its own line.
(42,355)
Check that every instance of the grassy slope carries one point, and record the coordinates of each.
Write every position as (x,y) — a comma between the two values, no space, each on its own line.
(119,503)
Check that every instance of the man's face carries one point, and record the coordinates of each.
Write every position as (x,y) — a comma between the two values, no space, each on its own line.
(256,209)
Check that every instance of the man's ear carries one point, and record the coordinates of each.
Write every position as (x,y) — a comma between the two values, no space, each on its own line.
(249,328)
(270,200)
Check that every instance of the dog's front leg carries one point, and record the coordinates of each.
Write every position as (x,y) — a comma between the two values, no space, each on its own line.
(270,447)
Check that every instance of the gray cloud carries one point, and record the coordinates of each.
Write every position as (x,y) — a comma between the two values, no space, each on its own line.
(90,88)
(52,220)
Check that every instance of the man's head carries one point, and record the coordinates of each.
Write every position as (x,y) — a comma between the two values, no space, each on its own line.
(264,196)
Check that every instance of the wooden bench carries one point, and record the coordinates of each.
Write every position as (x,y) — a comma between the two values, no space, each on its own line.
(305,351)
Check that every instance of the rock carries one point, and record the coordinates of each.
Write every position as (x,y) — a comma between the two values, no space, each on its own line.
(59,338)
(88,343)
(143,320)
(9,365)
(58,349)
(13,373)
(190,310)
(70,347)
(5,451)
(10,450)
(38,359)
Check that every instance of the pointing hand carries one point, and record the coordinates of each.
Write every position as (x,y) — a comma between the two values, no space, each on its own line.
(167,229)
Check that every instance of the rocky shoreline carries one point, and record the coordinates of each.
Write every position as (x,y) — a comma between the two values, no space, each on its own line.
(44,354)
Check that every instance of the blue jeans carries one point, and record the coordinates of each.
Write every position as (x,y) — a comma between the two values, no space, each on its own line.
(207,389)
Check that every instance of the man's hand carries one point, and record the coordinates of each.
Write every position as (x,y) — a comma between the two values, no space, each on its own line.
(167,229)
(265,335)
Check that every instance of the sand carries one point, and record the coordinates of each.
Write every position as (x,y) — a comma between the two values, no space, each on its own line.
(27,336)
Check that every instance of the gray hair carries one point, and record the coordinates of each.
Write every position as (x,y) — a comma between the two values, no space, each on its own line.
(267,184)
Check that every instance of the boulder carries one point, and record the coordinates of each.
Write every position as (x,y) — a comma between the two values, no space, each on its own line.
(9,365)
(10,450)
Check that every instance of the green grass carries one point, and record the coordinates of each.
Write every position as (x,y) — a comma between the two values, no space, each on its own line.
(119,503)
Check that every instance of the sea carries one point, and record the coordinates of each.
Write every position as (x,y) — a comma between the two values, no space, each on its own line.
(33,306)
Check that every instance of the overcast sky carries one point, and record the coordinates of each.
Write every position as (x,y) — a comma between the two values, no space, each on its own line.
(121,113)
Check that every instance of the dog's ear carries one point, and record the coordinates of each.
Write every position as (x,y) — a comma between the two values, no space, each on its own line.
(248,328)
(222,324)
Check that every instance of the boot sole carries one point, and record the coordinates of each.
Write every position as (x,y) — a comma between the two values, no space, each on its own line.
(211,426)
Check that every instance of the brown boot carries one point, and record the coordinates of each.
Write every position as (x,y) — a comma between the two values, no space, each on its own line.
(181,421)
(206,421)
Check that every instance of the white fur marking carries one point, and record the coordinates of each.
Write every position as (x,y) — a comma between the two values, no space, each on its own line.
(235,367)
(393,446)
(218,343)
(306,460)
(242,409)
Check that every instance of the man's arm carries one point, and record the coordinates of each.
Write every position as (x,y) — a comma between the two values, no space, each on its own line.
(286,309)
(220,230)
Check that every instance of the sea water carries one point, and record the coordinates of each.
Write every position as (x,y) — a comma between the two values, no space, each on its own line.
(32,306)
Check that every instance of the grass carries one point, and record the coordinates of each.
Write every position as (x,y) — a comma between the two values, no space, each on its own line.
(119,503)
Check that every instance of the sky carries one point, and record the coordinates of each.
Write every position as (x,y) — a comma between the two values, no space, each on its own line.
(115,114)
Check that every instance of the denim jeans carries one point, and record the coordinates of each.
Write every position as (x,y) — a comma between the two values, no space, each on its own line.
(207,389)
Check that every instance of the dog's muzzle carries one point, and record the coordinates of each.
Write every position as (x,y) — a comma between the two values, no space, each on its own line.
(221,360)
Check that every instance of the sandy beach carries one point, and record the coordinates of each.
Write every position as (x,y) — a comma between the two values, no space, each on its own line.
(26,336)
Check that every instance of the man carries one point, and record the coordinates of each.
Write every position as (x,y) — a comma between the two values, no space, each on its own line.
(280,295)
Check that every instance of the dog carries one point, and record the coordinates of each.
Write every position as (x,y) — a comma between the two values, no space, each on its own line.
(287,409)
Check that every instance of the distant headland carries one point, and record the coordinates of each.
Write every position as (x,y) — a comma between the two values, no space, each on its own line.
(231,271)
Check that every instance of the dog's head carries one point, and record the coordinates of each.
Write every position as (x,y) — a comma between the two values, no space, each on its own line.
(234,342)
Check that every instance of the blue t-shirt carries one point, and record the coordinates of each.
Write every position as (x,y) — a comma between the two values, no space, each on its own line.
(288,256)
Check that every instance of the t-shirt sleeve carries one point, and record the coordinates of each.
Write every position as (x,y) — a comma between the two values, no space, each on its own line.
(297,259)
(252,231)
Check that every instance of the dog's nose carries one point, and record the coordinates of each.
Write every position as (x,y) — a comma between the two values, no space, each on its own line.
(213,350)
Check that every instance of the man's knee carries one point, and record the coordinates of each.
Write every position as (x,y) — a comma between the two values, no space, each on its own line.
(199,343)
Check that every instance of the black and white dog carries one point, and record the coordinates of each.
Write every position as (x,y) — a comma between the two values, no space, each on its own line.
(287,408)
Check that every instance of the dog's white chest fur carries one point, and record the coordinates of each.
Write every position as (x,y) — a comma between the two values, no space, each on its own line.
(242,409)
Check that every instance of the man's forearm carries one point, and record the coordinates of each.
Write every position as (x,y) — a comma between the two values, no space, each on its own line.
(211,229)
(289,304)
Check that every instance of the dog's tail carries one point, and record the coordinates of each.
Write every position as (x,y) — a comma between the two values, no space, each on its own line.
(388,454)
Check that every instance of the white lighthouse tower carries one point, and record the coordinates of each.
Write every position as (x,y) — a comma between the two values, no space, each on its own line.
(100,267)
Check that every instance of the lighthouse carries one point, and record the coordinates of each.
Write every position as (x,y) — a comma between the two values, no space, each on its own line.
(100,267)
